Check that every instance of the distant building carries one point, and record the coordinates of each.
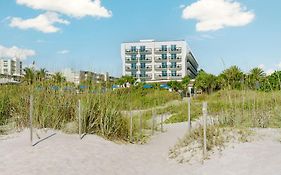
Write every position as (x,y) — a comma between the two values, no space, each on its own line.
(10,71)
(158,61)
(78,77)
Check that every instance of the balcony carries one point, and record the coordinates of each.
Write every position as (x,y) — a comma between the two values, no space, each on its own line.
(175,77)
(146,68)
(131,68)
(146,77)
(130,60)
(160,59)
(160,77)
(146,60)
(175,50)
(129,51)
(177,67)
(160,50)
(177,59)
(145,51)
(160,68)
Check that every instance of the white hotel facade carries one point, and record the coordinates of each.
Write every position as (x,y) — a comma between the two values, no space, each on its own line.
(158,61)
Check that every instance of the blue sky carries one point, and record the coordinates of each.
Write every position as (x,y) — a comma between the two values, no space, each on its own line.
(91,39)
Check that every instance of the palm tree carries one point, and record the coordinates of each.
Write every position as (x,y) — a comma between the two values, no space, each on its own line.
(29,75)
(233,77)
(255,77)
(58,77)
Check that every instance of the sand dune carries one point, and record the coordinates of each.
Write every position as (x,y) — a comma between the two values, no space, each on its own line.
(66,154)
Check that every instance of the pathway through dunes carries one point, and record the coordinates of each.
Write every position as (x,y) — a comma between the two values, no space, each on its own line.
(66,154)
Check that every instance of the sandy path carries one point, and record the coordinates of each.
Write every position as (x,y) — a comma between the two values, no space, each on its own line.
(66,154)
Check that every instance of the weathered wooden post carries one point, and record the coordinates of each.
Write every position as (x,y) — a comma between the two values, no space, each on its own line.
(131,126)
(30,118)
(162,129)
(189,117)
(140,136)
(153,122)
(205,113)
(79,119)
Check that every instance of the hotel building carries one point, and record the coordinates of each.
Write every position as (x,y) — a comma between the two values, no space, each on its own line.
(158,61)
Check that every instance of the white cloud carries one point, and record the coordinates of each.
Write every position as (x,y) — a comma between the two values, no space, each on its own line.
(75,8)
(15,52)
(216,14)
(44,22)
(63,52)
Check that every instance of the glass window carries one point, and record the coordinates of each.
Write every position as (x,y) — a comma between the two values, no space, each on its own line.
(173,56)
(134,65)
(134,57)
(133,48)
(164,65)
(134,74)
(173,47)
(173,65)
(164,73)
(142,57)
(142,74)
(164,56)
(164,47)
(174,73)
(142,48)
(142,65)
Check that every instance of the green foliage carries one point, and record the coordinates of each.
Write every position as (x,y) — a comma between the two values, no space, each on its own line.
(125,79)
(175,85)
(206,82)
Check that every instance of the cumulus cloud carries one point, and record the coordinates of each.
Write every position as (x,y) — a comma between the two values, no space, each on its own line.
(15,52)
(213,15)
(44,22)
(63,52)
(75,8)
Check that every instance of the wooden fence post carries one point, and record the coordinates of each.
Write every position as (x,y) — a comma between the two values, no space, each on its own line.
(30,118)
(204,110)
(131,126)
(79,119)
(140,136)
(189,117)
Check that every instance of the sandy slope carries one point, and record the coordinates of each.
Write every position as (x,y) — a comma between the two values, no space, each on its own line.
(66,154)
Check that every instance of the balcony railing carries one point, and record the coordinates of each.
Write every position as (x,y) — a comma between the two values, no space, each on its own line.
(129,51)
(161,77)
(131,68)
(177,59)
(176,76)
(160,50)
(145,51)
(160,59)
(160,67)
(146,77)
(177,67)
(145,60)
(147,68)
(130,60)
(175,50)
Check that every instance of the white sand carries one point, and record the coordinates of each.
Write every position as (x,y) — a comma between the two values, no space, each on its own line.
(66,154)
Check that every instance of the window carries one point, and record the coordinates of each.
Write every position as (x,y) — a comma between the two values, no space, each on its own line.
(173,56)
(173,47)
(164,65)
(173,65)
(164,56)
(133,48)
(134,74)
(142,74)
(164,73)
(134,57)
(174,73)
(142,57)
(134,65)
(142,48)
(142,65)
(164,48)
